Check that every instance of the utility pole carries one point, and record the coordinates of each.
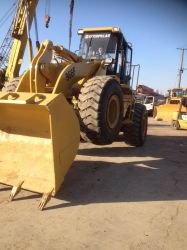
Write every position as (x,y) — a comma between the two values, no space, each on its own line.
(181,66)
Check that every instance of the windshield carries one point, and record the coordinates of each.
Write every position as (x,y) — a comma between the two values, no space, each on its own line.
(178,92)
(97,45)
(149,100)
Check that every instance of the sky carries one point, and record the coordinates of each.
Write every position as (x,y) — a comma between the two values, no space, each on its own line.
(156,28)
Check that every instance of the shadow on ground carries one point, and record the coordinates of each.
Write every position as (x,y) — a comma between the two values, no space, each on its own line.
(108,174)
(155,172)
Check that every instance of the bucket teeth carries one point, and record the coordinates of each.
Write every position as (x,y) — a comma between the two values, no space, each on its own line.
(15,190)
(45,198)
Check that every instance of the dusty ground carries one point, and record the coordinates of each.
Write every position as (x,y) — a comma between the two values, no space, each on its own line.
(114,197)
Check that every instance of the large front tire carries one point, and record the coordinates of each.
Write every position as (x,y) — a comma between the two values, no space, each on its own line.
(135,134)
(100,110)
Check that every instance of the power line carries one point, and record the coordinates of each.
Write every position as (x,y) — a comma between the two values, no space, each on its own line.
(7,14)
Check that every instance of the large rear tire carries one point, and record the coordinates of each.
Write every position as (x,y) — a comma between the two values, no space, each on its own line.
(135,134)
(100,110)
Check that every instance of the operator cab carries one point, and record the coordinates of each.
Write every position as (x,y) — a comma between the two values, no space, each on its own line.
(177,92)
(110,46)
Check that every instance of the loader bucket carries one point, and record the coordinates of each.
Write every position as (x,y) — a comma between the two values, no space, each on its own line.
(165,112)
(39,138)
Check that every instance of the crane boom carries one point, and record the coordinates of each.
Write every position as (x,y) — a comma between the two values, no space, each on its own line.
(5,49)
(19,34)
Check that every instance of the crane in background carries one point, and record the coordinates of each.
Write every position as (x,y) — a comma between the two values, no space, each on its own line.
(18,36)
(6,45)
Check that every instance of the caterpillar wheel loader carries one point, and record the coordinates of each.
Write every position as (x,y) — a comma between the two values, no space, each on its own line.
(165,111)
(60,95)
(179,120)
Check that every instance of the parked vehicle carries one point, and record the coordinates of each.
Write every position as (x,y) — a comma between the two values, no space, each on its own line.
(151,101)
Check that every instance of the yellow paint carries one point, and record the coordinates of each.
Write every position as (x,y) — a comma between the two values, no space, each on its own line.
(165,112)
(38,140)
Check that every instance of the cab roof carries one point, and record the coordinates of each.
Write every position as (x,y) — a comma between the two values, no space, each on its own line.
(98,29)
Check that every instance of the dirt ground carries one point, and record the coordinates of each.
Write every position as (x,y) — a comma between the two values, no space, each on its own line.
(114,197)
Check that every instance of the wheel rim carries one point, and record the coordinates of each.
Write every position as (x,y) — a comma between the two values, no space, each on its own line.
(113,111)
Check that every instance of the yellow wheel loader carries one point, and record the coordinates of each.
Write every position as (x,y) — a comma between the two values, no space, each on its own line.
(61,90)
(179,120)
(165,111)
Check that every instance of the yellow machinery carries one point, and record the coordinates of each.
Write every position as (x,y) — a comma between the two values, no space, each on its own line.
(179,120)
(20,33)
(40,120)
(165,111)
